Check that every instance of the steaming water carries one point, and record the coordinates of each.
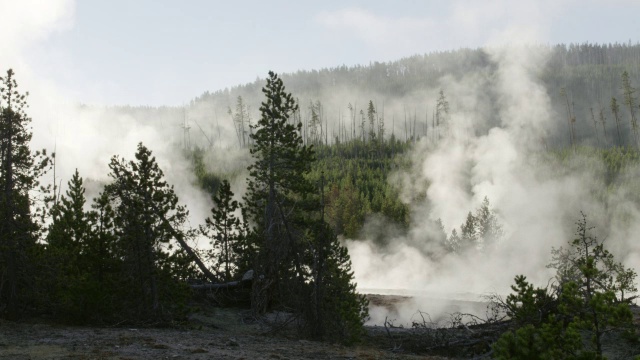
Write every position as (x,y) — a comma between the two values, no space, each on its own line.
(402,307)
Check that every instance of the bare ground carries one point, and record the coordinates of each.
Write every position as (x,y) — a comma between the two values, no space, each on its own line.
(211,333)
(225,333)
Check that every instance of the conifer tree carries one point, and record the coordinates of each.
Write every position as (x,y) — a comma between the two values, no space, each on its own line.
(630,100)
(223,228)
(70,225)
(615,110)
(371,115)
(276,196)
(103,263)
(20,170)
(335,311)
(299,263)
(68,234)
(441,116)
(146,216)
(99,248)
(242,121)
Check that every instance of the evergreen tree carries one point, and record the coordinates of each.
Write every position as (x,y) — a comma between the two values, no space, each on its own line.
(276,196)
(70,225)
(630,100)
(442,112)
(146,216)
(615,110)
(299,262)
(489,230)
(371,115)
(68,234)
(588,303)
(103,263)
(242,121)
(335,311)
(223,228)
(20,170)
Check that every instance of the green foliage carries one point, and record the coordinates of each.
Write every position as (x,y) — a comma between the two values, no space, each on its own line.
(207,181)
(356,174)
(300,264)
(277,195)
(223,228)
(528,305)
(480,231)
(67,236)
(146,215)
(587,304)
(336,312)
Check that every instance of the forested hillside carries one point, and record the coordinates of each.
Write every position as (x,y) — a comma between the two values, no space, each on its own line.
(580,79)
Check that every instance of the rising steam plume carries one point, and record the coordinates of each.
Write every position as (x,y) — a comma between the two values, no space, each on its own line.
(536,199)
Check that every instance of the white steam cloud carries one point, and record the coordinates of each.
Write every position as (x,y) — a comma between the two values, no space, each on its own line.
(537,202)
(86,137)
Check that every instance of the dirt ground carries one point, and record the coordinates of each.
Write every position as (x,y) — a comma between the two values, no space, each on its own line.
(212,333)
(225,333)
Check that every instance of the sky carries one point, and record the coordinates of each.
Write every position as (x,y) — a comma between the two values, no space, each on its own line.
(163,52)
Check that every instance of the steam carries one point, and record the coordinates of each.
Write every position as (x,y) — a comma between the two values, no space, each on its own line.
(86,137)
(538,201)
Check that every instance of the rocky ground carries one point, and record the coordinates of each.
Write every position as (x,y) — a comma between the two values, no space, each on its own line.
(211,333)
(227,333)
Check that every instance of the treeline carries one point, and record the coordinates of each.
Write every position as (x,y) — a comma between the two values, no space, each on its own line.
(580,79)
(127,260)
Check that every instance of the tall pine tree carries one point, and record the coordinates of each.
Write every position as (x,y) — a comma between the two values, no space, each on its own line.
(146,216)
(276,196)
(223,228)
(20,170)
(68,234)
(299,263)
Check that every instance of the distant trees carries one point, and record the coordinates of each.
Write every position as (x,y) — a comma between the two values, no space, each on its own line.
(571,119)
(615,109)
(630,100)
(315,123)
(371,115)
(242,122)
(480,231)
(442,115)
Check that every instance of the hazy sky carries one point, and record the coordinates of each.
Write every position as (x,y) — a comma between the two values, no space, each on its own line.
(167,52)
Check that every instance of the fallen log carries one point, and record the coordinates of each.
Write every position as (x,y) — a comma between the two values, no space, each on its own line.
(179,238)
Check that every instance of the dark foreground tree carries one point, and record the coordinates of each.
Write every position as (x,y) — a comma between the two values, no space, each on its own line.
(147,215)
(276,196)
(298,260)
(223,228)
(20,170)
(68,234)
